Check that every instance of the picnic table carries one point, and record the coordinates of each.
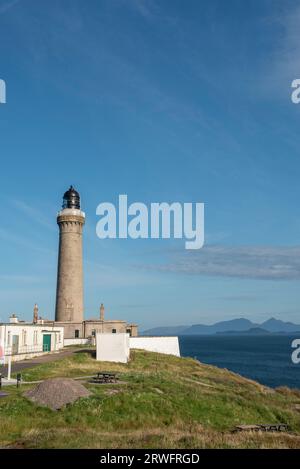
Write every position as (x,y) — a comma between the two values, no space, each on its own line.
(277,427)
(105,377)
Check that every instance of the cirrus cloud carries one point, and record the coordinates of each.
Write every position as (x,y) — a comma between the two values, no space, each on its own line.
(251,262)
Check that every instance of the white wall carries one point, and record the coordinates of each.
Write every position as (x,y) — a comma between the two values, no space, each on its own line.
(112,347)
(76,342)
(168,345)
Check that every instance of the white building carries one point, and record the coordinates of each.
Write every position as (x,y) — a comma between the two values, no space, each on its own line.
(22,340)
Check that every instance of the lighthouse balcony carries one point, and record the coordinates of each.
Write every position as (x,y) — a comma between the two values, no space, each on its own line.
(71,211)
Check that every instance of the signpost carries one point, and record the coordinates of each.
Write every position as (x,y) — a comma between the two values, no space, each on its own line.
(2,355)
(8,367)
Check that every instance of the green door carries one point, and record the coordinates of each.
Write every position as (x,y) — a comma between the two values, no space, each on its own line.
(15,344)
(46,342)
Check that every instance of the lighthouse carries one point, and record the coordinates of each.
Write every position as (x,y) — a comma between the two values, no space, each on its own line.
(69,290)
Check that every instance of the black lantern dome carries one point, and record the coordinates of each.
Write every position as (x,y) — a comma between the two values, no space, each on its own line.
(71,199)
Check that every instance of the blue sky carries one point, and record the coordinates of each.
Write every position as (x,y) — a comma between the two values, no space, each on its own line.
(163,101)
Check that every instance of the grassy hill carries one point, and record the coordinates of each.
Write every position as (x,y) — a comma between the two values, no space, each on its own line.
(161,402)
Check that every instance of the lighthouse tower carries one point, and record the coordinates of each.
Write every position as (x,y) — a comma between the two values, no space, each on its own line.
(69,290)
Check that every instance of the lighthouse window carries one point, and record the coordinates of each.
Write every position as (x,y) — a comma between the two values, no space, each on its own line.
(114,331)
(76,333)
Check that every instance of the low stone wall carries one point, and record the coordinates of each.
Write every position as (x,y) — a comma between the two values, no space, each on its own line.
(76,342)
(167,345)
(27,356)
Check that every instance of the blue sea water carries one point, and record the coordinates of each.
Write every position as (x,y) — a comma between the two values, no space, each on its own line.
(266,359)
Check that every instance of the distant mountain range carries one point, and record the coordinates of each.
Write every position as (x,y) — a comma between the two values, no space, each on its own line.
(234,326)
(252,331)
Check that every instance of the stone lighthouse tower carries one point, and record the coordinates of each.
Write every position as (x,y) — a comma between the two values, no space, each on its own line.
(69,291)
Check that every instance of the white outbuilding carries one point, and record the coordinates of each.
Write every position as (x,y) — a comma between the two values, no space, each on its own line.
(21,340)
(112,347)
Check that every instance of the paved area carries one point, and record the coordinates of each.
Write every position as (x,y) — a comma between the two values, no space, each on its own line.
(51,357)
(6,382)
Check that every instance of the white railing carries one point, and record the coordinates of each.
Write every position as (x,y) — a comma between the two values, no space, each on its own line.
(25,349)
(71,211)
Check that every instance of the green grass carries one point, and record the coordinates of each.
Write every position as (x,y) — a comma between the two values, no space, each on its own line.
(163,401)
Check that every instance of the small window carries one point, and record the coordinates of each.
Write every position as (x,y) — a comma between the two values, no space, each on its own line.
(76,333)
(35,338)
(114,331)
(8,339)
(24,338)
(128,331)
(93,332)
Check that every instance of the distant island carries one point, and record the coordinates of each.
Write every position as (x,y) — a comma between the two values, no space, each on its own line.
(252,331)
(234,326)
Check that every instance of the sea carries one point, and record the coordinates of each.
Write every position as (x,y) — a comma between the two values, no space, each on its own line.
(266,359)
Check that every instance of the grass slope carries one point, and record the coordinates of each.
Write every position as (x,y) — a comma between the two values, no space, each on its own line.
(162,402)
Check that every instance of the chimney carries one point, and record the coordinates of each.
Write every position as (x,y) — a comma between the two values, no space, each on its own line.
(35,314)
(102,312)
(13,319)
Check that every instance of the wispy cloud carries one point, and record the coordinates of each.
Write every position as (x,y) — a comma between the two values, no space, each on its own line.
(20,279)
(133,305)
(288,54)
(10,237)
(143,7)
(35,214)
(137,89)
(252,262)
(282,64)
(105,275)
(231,298)
(7,6)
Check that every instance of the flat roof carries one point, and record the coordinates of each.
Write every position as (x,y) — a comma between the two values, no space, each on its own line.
(29,324)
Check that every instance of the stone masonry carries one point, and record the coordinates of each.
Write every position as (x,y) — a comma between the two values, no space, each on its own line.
(69,292)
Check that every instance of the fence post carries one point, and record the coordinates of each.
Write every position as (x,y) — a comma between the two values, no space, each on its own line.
(9,368)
